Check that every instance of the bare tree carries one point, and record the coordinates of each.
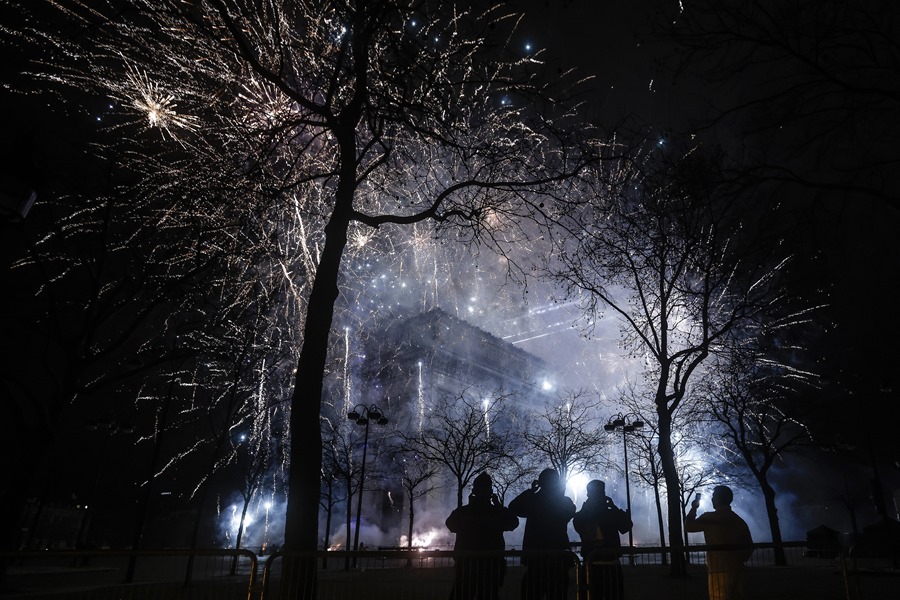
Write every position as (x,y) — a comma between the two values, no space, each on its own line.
(338,473)
(667,254)
(808,88)
(747,400)
(417,476)
(252,480)
(569,436)
(648,468)
(97,312)
(851,498)
(647,464)
(121,298)
(346,446)
(691,454)
(458,437)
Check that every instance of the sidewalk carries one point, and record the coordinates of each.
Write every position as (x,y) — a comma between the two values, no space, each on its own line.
(641,583)
(162,577)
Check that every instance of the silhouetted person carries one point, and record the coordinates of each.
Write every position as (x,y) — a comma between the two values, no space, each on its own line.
(478,552)
(545,543)
(722,526)
(599,523)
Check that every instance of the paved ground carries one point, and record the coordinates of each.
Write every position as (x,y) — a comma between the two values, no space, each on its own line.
(813,580)
(641,583)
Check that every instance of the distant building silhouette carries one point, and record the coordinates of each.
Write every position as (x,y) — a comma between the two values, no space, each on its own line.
(418,359)
(433,354)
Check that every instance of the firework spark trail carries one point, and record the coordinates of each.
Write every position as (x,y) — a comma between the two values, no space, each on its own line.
(420,399)
(347,382)
(261,425)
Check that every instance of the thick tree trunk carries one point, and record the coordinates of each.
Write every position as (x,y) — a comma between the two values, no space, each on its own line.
(301,530)
(301,526)
(662,528)
(409,536)
(326,540)
(348,538)
(412,517)
(774,525)
(678,566)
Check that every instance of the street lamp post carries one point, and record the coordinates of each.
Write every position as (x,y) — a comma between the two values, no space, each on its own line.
(615,423)
(361,415)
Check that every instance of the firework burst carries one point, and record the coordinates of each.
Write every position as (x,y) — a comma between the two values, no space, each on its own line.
(159,107)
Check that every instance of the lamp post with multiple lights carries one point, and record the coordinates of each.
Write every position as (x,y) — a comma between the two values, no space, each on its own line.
(614,424)
(362,415)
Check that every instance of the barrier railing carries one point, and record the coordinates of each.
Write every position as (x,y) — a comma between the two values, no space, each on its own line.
(128,575)
(428,575)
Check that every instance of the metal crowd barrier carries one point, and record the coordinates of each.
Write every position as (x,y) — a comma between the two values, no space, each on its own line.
(394,574)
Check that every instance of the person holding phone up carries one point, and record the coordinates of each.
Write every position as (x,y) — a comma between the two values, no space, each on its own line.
(599,523)
(722,527)
(547,553)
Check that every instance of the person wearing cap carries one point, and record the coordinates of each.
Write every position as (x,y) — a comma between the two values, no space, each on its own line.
(546,550)
(478,552)
(722,527)
(599,523)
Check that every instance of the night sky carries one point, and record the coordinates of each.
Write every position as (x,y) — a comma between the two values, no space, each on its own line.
(848,243)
